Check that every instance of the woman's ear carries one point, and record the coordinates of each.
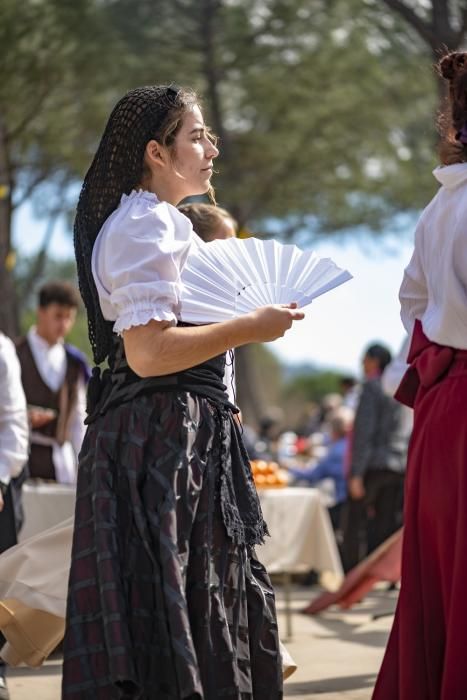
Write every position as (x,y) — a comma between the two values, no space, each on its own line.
(155,153)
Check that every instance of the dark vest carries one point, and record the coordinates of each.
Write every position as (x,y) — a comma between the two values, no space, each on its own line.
(39,394)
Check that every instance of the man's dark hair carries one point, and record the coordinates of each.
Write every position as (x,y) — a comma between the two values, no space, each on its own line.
(61,293)
(379,353)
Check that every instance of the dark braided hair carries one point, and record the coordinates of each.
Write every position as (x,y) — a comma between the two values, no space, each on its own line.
(143,114)
(453,121)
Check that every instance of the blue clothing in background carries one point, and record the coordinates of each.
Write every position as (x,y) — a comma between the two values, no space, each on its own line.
(330,467)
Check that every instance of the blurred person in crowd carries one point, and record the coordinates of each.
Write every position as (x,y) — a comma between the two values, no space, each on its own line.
(378,456)
(425,656)
(250,440)
(391,379)
(269,431)
(328,405)
(211,223)
(309,421)
(320,437)
(331,466)
(54,376)
(395,370)
(350,391)
(14,443)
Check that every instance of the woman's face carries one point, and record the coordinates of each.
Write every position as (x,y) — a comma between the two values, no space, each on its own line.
(192,157)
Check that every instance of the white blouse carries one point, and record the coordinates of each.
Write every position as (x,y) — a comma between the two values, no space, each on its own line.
(434,288)
(14,429)
(137,260)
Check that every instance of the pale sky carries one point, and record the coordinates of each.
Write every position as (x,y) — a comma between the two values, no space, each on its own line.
(339,324)
(342,322)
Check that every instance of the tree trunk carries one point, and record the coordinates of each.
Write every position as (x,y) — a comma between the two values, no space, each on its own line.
(447,37)
(248,397)
(8,307)
(208,18)
(246,380)
(439,33)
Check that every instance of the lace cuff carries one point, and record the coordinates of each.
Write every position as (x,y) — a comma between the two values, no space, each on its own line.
(140,315)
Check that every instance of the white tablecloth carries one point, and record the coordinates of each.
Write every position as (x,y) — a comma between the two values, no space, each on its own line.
(301,533)
(301,539)
(46,505)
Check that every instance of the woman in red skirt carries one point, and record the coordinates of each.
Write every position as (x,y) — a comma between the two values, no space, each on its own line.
(426,653)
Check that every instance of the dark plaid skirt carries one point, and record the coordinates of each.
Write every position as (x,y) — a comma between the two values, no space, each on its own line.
(162,604)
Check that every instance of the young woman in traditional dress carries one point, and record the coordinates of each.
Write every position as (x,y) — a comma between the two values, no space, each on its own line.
(166,597)
(425,656)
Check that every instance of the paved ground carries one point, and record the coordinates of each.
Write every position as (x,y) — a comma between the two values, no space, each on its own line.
(338,654)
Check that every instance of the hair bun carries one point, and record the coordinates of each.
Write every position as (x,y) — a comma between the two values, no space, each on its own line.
(452,64)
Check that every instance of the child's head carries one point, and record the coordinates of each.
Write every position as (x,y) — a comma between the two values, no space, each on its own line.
(210,222)
(453,122)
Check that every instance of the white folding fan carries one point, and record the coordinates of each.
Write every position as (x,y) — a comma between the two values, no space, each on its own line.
(227,278)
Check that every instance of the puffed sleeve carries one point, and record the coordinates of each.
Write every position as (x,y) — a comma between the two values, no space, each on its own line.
(413,294)
(137,261)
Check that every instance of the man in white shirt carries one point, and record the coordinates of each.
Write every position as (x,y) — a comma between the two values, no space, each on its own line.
(14,443)
(54,377)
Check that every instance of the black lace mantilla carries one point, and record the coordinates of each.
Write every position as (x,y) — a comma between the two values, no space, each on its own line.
(240,505)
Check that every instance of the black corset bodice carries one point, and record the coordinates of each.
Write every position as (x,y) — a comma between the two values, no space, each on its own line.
(119,383)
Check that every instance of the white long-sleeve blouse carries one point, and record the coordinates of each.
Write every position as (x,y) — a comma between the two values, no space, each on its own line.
(434,288)
(137,260)
(14,429)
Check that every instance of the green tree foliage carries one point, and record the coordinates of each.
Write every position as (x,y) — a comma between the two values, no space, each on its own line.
(440,24)
(324,115)
(58,73)
(323,107)
(306,96)
(58,66)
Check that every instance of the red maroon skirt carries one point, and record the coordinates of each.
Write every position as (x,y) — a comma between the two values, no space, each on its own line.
(426,652)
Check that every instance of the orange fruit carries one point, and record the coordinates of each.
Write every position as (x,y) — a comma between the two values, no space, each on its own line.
(261,466)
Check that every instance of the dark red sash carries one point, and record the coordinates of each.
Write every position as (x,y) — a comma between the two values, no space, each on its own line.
(429,363)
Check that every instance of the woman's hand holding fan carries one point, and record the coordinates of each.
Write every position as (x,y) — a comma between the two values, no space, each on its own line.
(225,279)
(271,322)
